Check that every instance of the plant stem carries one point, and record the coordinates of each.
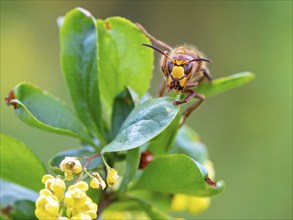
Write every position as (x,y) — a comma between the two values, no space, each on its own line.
(88,159)
(105,201)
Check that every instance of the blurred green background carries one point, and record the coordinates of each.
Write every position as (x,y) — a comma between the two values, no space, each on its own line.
(248,130)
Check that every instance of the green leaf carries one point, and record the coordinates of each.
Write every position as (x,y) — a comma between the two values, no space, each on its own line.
(132,162)
(144,123)
(123,61)
(78,38)
(188,142)
(224,84)
(19,165)
(43,110)
(123,104)
(10,193)
(177,174)
(162,143)
(55,161)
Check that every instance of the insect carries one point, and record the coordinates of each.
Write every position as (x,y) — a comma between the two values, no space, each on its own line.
(183,68)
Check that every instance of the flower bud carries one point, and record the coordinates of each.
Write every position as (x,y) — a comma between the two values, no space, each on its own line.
(112,176)
(94,183)
(70,166)
(97,181)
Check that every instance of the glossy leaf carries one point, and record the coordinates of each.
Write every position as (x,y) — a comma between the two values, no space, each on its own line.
(42,110)
(123,105)
(78,38)
(123,61)
(144,123)
(20,165)
(225,83)
(177,173)
(83,152)
(188,142)
(162,143)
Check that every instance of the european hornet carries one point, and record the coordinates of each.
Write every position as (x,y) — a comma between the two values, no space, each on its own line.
(184,68)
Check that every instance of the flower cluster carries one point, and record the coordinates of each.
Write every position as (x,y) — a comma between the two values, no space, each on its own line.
(54,200)
(79,205)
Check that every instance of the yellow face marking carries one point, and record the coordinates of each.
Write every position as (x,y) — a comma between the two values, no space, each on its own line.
(183,82)
(179,62)
(177,72)
(169,81)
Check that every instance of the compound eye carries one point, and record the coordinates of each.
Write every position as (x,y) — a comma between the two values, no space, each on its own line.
(187,68)
(170,66)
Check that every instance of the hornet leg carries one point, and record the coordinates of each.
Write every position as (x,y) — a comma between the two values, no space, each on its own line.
(188,111)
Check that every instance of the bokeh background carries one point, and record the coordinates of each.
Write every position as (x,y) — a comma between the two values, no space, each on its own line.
(248,130)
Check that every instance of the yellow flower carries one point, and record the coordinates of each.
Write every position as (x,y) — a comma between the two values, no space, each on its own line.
(76,196)
(81,216)
(191,204)
(47,205)
(70,166)
(94,183)
(97,181)
(62,218)
(55,185)
(179,203)
(112,176)
(90,208)
(198,204)
(78,203)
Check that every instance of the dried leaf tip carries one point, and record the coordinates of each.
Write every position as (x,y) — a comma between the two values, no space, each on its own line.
(11,96)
